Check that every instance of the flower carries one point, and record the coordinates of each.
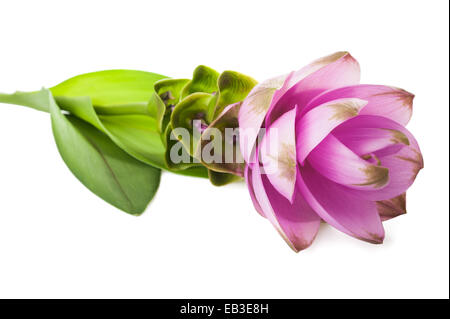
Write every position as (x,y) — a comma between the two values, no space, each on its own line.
(333,150)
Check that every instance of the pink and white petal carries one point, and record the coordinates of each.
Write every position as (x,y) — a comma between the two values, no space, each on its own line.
(390,102)
(337,162)
(249,181)
(253,111)
(392,208)
(374,121)
(294,77)
(404,163)
(277,153)
(297,223)
(290,80)
(315,125)
(363,141)
(350,214)
(333,71)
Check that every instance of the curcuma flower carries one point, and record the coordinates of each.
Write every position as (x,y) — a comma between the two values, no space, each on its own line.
(333,150)
(313,145)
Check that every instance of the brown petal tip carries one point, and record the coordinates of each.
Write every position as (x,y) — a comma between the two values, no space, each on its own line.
(377,176)
(372,239)
(399,137)
(392,207)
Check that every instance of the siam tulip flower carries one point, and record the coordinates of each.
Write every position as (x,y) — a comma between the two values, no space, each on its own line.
(342,153)
(313,145)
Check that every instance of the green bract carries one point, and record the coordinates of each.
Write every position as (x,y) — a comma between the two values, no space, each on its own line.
(115,129)
(204,99)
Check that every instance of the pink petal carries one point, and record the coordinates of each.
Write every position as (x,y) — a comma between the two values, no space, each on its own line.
(297,223)
(404,163)
(253,112)
(338,163)
(364,141)
(249,181)
(315,125)
(338,207)
(277,152)
(333,71)
(386,101)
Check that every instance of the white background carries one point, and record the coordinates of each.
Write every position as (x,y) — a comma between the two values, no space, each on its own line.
(59,240)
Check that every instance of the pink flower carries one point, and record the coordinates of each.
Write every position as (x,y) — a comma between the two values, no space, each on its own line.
(341,151)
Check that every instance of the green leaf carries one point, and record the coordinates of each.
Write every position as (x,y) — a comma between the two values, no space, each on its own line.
(112,91)
(35,100)
(204,80)
(233,87)
(100,165)
(136,134)
(157,109)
